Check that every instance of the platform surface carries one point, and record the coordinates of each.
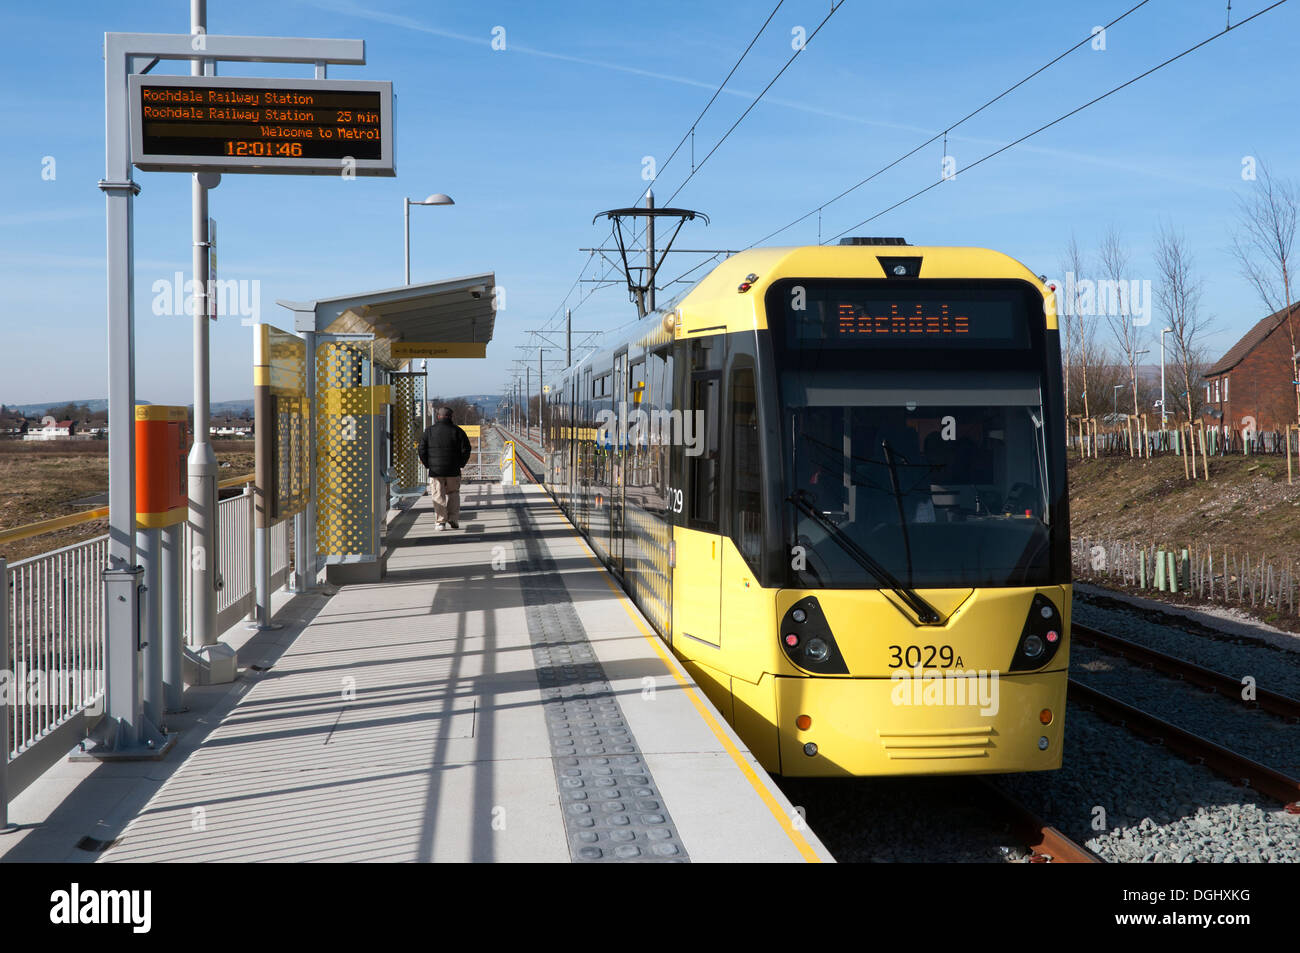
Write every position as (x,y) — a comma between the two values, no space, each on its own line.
(493,698)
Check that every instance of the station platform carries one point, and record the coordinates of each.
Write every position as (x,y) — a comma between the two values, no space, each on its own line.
(495,697)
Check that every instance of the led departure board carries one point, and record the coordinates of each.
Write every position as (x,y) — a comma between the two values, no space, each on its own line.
(238,124)
(897,314)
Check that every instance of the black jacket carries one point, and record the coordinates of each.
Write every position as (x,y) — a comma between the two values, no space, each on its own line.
(444,449)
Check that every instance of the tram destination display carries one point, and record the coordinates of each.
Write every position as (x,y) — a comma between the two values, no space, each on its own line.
(260,125)
(883,315)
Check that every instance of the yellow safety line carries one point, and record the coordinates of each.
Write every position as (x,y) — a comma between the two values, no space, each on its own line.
(784,820)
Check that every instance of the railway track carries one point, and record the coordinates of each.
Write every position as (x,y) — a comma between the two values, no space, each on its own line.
(1236,767)
(1047,844)
(1226,685)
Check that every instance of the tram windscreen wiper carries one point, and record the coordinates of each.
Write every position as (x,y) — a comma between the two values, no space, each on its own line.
(898,498)
(927,613)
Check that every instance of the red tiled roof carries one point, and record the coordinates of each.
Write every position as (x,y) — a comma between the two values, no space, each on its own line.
(1252,339)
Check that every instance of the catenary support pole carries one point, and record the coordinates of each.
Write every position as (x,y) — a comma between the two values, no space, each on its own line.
(650,251)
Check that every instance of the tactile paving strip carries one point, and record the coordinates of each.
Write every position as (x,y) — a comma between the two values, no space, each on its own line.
(611,805)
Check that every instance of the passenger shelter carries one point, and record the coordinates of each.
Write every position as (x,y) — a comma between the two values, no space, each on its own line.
(337,440)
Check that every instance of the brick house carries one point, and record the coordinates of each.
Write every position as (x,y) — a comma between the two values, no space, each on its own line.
(1254,378)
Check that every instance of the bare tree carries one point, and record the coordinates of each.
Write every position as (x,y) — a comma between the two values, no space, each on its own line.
(1081,348)
(1179,298)
(1113,298)
(1263,246)
(1065,316)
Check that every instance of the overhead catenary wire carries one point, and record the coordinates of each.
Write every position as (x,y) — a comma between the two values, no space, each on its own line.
(639,229)
(550,321)
(836,4)
(1059,119)
(717,92)
(946,130)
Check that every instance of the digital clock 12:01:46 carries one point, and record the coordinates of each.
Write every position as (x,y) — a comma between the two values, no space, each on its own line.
(243,148)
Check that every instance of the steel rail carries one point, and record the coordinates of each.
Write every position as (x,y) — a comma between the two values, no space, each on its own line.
(1275,704)
(1047,844)
(1233,766)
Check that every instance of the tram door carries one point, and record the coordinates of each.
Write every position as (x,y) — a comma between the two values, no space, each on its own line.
(697,579)
(617,463)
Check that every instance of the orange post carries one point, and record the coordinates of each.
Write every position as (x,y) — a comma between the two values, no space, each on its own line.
(161,477)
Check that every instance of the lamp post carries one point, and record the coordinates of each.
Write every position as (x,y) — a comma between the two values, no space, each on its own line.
(438,198)
(1114,400)
(1163,413)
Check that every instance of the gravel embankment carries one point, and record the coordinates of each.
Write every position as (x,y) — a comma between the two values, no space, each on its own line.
(1149,805)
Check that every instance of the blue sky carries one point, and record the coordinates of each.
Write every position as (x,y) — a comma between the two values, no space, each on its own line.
(533,140)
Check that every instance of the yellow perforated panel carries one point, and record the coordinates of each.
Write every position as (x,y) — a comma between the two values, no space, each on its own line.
(286,355)
(347,405)
(408,396)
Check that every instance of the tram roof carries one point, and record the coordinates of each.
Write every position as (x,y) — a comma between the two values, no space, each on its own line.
(455,310)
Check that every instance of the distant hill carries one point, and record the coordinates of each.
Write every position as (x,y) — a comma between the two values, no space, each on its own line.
(224,408)
(36,410)
(488,402)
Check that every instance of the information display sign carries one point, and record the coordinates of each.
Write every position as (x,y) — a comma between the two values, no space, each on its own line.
(260,125)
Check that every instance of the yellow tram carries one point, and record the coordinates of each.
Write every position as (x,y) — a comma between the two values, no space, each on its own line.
(833,479)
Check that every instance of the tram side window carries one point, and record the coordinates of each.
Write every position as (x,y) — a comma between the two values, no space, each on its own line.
(702,459)
(657,401)
(745,468)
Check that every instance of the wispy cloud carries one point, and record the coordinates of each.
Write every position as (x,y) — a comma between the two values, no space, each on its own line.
(1157,169)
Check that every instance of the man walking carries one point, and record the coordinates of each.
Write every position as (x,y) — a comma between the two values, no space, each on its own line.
(444,449)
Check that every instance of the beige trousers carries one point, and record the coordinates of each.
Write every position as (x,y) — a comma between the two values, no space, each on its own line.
(446,498)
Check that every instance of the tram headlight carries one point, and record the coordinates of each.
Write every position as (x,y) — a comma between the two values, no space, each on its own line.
(1041,637)
(817,650)
(807,639)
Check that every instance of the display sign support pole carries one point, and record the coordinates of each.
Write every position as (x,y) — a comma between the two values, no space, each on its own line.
(124,732)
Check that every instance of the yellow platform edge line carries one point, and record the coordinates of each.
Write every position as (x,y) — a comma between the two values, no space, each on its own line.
(785,821)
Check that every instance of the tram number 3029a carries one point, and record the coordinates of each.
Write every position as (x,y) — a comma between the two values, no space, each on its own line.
(923,656)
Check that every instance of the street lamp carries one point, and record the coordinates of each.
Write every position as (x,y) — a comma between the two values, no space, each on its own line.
(1163,415)
(438,198)
(1114,400)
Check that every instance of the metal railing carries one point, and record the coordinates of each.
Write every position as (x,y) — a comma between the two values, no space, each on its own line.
(55,607)
(238,596)
(52,631)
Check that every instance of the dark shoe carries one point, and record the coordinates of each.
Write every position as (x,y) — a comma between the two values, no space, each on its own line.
(453,524)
